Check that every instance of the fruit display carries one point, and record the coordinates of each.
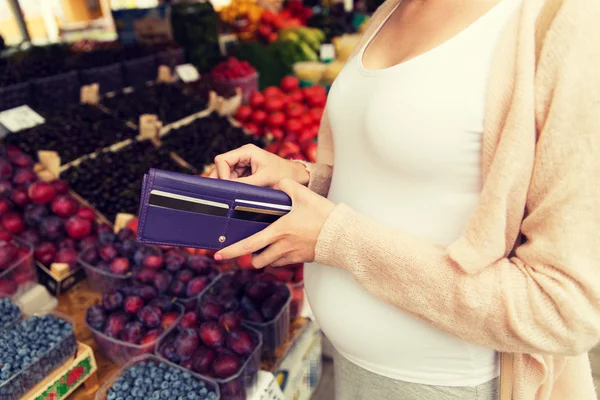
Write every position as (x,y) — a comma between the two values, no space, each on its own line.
(17,271)
(74,132)
(111,181)
(295,12)
(334,21)
(129,322)
(232,74)
(293,277)
(288,115)
(310,71)
(149,377)
(31,350)
(263,302)
(308,39)
(242,16)
(213,343)
(169,103)
(202,140)
(9,313)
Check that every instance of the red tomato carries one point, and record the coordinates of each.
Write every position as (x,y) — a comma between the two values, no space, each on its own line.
(272,91)
(243,113)
(289,83)
(316,114)
(273,147)
(259,117)
(277,133)
(276,119)
(257,100)
(305,136)
(273,104)
(316,99)
(318,89)
(314,131)
(294,110)
(306,120)
(297,96)
(288,148)
(252,128)
(311,152)
(293,126)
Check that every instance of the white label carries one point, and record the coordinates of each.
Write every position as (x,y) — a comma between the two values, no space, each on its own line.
(20,118)
(327,52)
(187,73)
(267,388)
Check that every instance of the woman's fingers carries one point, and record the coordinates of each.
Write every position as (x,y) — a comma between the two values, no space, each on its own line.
(271,254)
(249,245)
(225,163)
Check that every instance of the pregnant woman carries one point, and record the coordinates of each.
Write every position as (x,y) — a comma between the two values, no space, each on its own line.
(453,216)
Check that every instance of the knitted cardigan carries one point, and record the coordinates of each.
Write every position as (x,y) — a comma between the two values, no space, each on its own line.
(524,277)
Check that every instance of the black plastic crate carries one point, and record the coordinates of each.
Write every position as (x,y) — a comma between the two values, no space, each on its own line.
(15,95)
(140,70)
(57,91)
(110,77)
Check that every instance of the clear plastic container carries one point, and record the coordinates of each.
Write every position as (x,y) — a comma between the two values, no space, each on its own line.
(297,302)
(38,369)
(275,331)
(19,277)
(140,70)
(110,77)
(15,95)
(57,91)
(248,85)
(121,352)
(101,394)
(239,385)
(102,281)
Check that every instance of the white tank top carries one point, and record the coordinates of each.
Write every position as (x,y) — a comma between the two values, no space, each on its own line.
(407,143)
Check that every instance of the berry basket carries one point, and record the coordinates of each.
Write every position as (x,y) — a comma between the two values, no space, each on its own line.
(10,313)
(190,303)
(120,352)
(110,77)
(140,70)
(57,91)
(20,275)
(248,85)
(18,384)
(235,387)
(171,58)
(156,362)
(102,281)
(15,95)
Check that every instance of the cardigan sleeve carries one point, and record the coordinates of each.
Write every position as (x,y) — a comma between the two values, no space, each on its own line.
(546,297)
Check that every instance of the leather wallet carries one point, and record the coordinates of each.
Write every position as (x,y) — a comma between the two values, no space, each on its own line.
(192,211)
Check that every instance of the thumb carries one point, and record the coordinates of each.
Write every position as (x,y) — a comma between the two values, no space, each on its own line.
(289,187)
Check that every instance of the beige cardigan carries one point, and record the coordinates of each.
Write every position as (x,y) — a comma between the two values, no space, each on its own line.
(525,276)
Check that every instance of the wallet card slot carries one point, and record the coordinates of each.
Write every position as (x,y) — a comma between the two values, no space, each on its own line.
(170,227)
(192,195)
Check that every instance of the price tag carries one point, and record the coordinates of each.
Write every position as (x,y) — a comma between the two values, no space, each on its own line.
(327,52)
(187,73)
(20,118)
(267,388)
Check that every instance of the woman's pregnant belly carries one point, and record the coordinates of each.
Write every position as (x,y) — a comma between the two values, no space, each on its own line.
(385,340)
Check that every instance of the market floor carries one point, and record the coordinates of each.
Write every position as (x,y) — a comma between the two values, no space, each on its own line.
(325,390)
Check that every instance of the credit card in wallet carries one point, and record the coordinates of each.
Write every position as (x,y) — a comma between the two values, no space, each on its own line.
(256,214)
(175,201)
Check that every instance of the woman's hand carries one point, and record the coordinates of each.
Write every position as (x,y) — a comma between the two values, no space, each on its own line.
(292,238)
(255,166)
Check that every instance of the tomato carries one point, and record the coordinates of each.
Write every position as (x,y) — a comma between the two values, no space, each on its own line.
(306,120)
(288,148)
(305,136)
(276,119)
(252,128)
(294,110)
(311,152)
(289,83)
(257,100)
(272,91)
(316,99)
(316,114)
(243,113)
(259,117)
(273,104)
(314,131)
(293,126)
(320,90)
(297,96)
(276,133)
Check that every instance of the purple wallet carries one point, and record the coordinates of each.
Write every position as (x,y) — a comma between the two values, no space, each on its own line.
(192,211)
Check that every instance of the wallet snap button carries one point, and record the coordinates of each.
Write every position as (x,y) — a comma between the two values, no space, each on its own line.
(222,239)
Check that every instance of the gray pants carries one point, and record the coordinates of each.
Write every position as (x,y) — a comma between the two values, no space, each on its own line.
(355,383)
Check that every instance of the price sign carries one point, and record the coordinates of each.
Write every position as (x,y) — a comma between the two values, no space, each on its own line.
(187,73)
(20,118)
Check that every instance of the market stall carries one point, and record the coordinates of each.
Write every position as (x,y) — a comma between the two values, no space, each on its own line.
(81,123)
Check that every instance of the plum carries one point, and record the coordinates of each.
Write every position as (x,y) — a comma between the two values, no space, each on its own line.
(115,324)
(196,286)
(226,365)
(174,261)
(189,320)
(240,342)
(6,169)
(259,290)
(147,292)
(21,160)
(145,275)
(273,305)
(125,234)
(86,213)
(200,264)
(161,281)
(4,206)
(133,304)
(41,192)
(6,236)
(231,320)
(212,334)
(78,228)
(185,275)
(107,237)
(60,187)
(163,303)
(153,261)
(151,336)
(89,255)
(112,300)
(64,206)
(67,243)
(67,256)
(8,254)
(186,343)
(170,353)
(177,288)
(23,177)
(202,359)
(128,247)
(19,197)
(228,301)
(119,266)
(96,317)
(52,228)
(45,252)
(13,222)
(88,241)
(210,310)
(108,252)
(150,316)
(5,187)
(132,332)
(34,214)
(169,319)
(31,236)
